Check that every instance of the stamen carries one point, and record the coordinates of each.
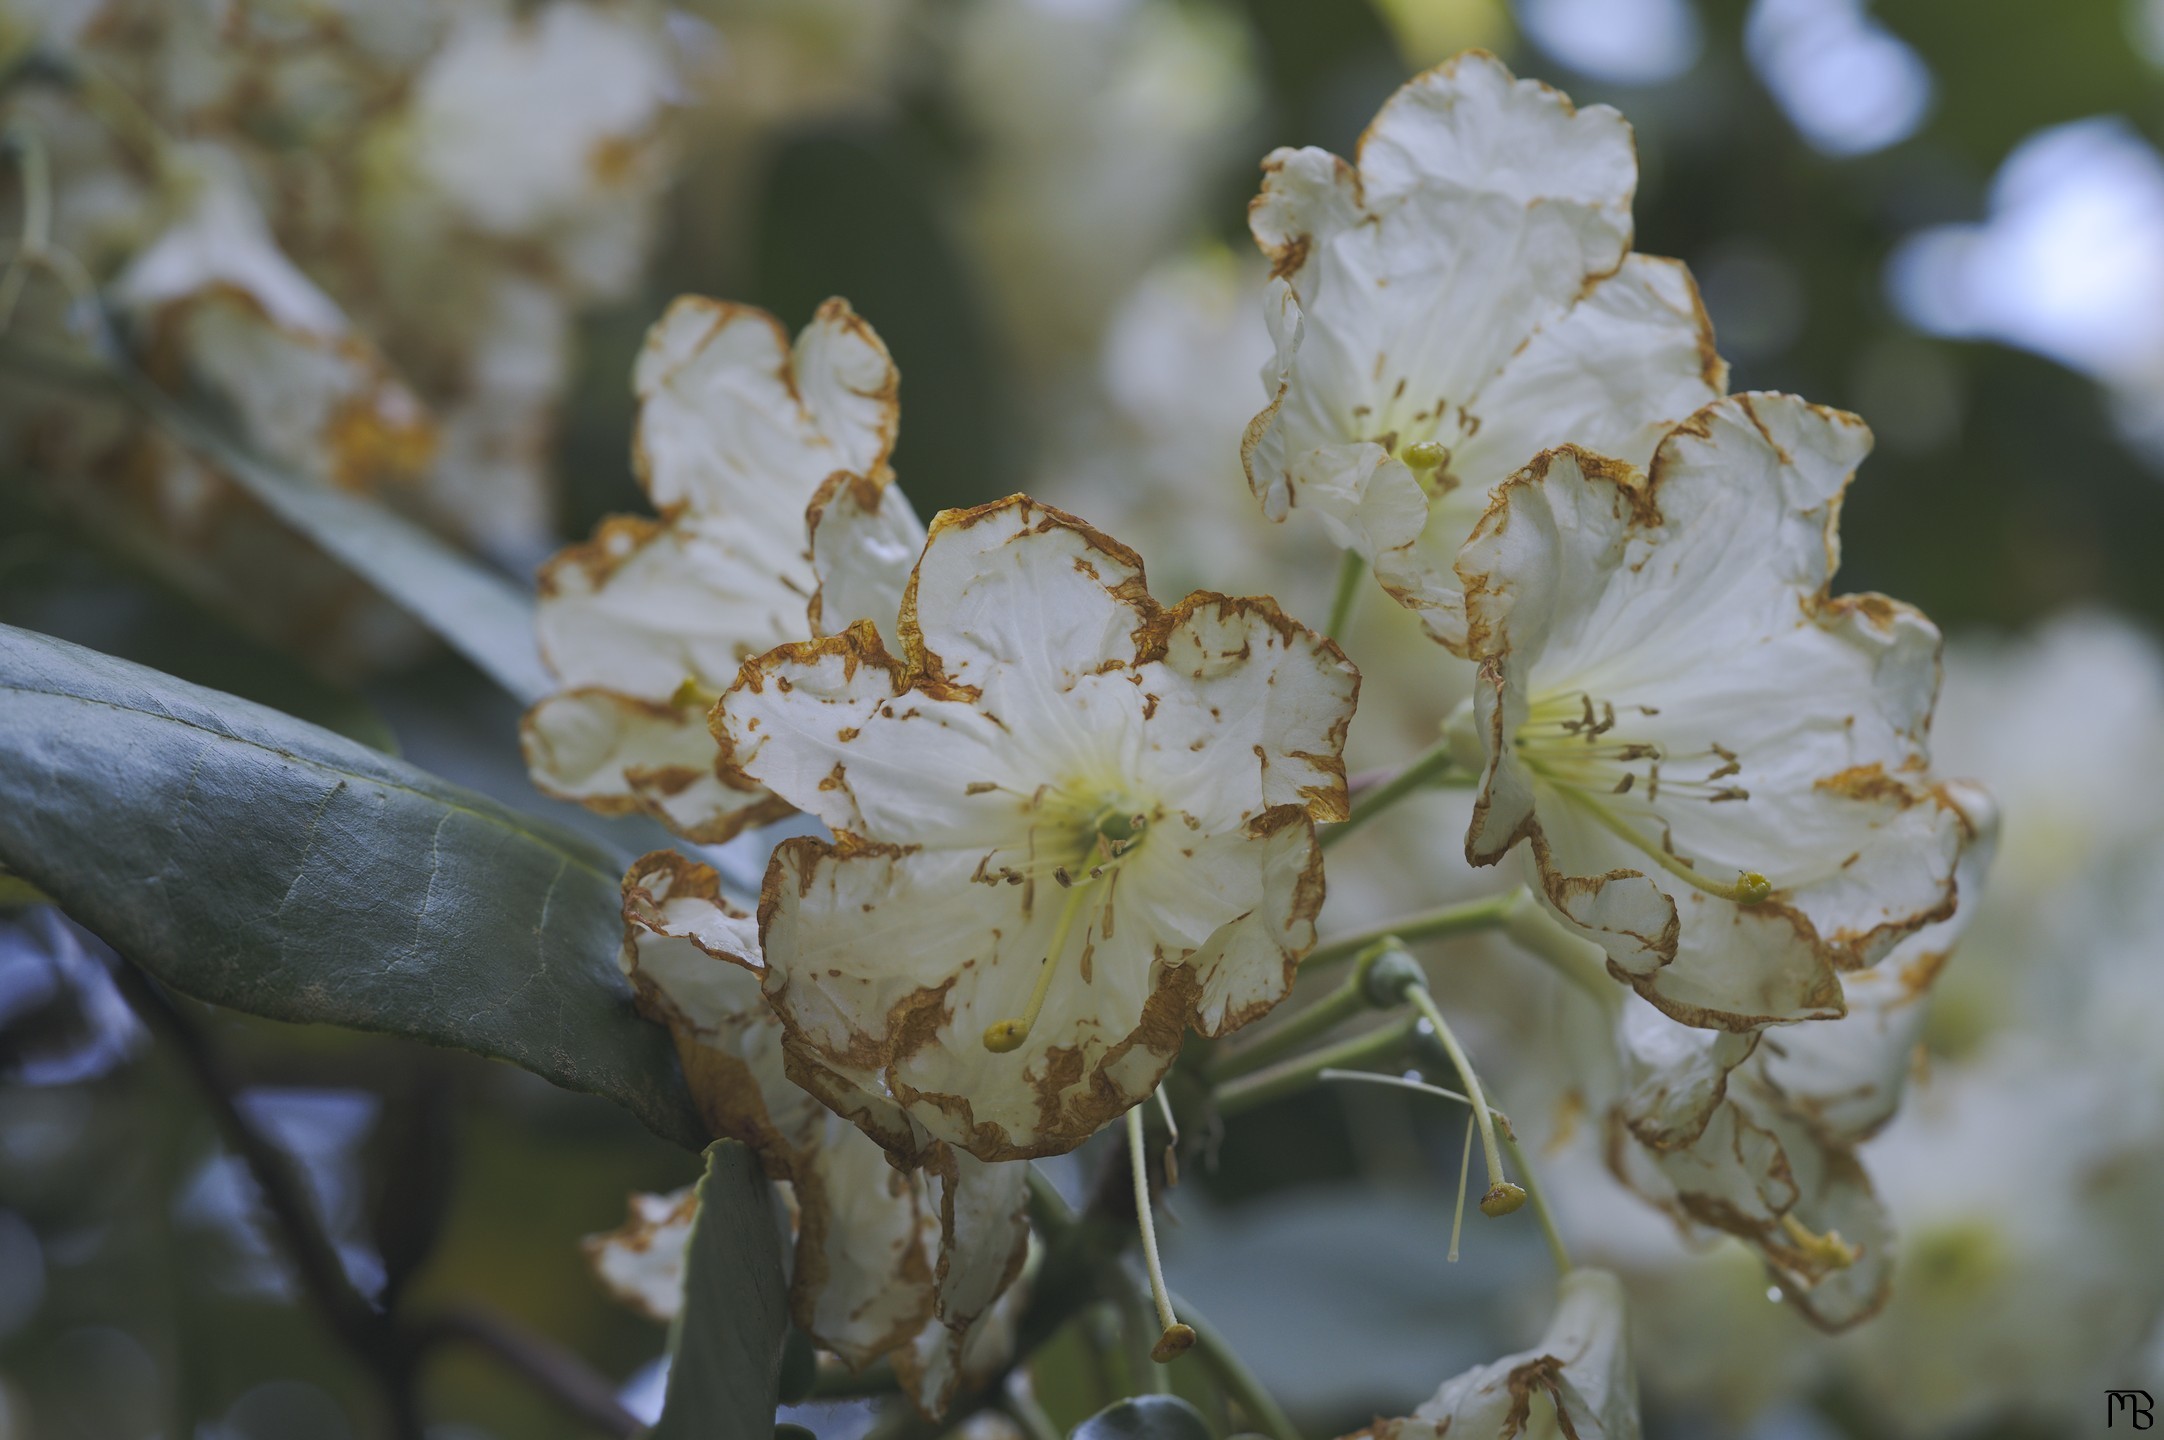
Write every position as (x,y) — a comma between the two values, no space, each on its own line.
(1172,1140)
(1176,1337)
(1751,887)
(1827,1252)
(1502,1197)
(1003,1036)
(1457,1214)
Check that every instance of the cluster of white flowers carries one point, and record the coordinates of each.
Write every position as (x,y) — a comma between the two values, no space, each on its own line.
(1063,824)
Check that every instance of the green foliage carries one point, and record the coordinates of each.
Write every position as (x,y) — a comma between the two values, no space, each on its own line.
(725,1348)
(255,861)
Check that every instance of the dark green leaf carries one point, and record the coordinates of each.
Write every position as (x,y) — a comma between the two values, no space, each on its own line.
(1145,1417)
(725,1347)
(258,862)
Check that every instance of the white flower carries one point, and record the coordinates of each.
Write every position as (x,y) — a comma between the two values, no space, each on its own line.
(219,304)
(1576,1382)
(1459,300)
(641,1262)
(1715,767)
(742,442)
(907,1264)
(1069,824)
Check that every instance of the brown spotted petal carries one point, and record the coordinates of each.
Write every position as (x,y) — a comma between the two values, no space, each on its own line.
(1717,769)
(875,1246)
(1459,299)
(1578,1381)
(743,440)
(1055,765)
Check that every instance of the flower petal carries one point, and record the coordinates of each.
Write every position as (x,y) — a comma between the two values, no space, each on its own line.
(619,755)
(734,422)
(1247,696)
(865,540)
(1581,1367)
(646,605)
(641,1262)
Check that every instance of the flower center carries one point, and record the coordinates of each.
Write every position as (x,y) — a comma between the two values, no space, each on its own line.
(1580,745)
(1421,431)
(1081,837)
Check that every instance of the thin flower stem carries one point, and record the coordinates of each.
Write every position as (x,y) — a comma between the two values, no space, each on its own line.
(1351,571)
(1427,768)
(1297,1074)
(1539,1199)
(1437,924)
(1397,1082)
(1465,1168)
(541,1363)
(1176,1337)
(1236,1380)
(1502,1196)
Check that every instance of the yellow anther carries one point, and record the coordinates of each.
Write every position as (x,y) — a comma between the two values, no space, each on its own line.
(1426,454)
(1502,1198)
(1825,1252)
(1752,888)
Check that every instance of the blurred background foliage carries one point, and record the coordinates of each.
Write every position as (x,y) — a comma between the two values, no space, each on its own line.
(1831,172)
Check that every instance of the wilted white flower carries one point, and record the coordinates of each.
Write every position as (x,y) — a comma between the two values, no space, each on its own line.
(1461,299)
(739,436)
(1716,768)
(1069,824)
(893,1263)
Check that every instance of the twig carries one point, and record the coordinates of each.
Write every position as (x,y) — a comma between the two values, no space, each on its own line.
(541,1363)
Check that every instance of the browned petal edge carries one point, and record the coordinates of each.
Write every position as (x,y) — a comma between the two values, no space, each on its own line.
(1711,367)
(636,1233)
(1685,1140)
(1153,640)
(927,673)
(645,784)
(598,557)
(868,491)
(858,645)
(1633,488)
(940,1160)
(1251,440)
(720,314)
(1842,1168)
(1686,1208)
(730,1101)
(815,1212)
(839,1077)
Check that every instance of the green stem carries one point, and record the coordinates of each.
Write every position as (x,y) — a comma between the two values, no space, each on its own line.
(1299,1073)
(836,1381)
(1351,571)
(1286,1036)
(1436,924)
(1491,1152)
(1237,1381)
(1424,770)
(1047,1206)
(1539,1199)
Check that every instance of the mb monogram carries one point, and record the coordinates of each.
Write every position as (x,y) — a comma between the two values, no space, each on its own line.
(2134,1404)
